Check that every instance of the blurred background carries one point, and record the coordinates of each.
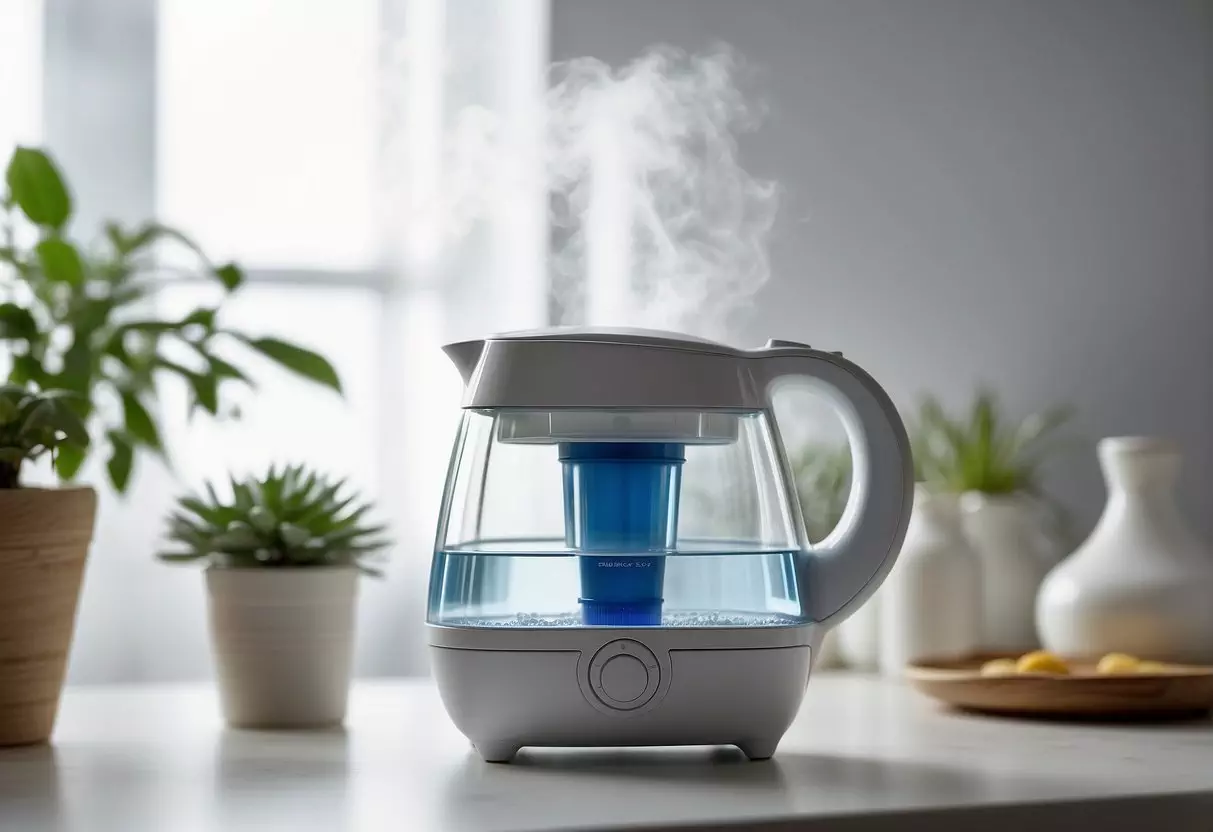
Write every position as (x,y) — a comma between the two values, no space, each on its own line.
(1014,194)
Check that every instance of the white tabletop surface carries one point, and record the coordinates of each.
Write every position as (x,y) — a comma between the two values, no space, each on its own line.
(863,754)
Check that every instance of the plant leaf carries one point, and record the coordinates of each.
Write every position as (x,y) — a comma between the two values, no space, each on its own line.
(206,392)
(60,261)
(222,369)
(139,422)
(120,461)
(37,187)
(230,276)
(16,322)
(180,557)
(306,363)
(206,317)
(68,459)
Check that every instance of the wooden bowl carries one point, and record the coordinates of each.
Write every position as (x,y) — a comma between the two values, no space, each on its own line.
(1177,692)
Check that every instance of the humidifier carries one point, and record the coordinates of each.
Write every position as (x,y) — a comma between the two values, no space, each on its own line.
(620,557)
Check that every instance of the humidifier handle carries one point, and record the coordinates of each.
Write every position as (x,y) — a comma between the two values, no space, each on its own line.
(836,576)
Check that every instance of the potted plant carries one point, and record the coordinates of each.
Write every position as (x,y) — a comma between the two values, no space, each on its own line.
(283,552)
(993,464)
(44,538)
(80,337)
(84,320)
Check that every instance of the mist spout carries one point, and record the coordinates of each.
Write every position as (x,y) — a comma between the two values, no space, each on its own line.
(465,355)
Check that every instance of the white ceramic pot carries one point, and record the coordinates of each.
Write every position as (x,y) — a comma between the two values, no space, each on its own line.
(283,644)
(931,601)
(1005,532)
(1142,583)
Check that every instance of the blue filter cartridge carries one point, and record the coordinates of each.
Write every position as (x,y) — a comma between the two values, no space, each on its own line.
(621,514)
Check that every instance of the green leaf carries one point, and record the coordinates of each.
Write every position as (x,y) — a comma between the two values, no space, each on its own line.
(60,261)
(153,327)
(205,317)
(13,456)
(222,369)
(77,366)
(120,462)
(230,276)
(206,392)
(139,422)
(65,419)
(306,363)
(68,459)
(180,557)
(26,368)
(125,243)
(16,322)
(205,387)
(37,187)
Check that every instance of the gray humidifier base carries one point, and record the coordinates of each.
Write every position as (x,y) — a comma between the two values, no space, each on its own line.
(590,687)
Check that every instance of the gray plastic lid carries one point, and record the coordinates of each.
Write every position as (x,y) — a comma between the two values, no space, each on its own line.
(620,335)
(579,367)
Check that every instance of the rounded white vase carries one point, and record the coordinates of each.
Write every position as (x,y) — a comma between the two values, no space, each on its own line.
(1142,583)
(283,642)
(931,601)
(1005,532)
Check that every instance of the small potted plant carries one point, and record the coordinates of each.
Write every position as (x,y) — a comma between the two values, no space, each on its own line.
(283,553)
(44,539)
(993,464)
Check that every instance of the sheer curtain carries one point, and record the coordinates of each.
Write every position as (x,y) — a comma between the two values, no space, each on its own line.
(288,134)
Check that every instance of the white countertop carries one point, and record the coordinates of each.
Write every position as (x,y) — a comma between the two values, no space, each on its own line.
(863,754)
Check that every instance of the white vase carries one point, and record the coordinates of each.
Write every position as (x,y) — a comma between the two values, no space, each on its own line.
(283,643)
(858,637)
(1142,583)
(1005,532)
(931,601)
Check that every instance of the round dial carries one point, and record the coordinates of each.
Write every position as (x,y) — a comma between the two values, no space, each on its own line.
(624,674)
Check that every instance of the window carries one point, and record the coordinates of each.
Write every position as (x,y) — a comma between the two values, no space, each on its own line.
(287,134)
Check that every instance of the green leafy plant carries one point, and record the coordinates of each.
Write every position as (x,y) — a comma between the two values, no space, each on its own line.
(82,320)
(823,484)
(983,450)
(33,424)
(289,518)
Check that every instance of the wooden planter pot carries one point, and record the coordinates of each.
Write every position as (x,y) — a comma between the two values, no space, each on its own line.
(44,540)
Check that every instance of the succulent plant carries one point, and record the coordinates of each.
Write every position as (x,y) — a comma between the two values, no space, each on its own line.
(32,424)
(290,518)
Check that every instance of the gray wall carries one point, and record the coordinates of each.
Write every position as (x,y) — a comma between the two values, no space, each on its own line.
(1010,192)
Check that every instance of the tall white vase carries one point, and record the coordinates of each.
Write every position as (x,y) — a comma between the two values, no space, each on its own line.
(1005,532)
(1142,583)
(931,601)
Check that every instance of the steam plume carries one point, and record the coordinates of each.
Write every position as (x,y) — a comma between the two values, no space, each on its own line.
(655,221)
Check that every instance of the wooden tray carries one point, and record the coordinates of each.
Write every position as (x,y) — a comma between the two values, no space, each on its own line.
(1179,692)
